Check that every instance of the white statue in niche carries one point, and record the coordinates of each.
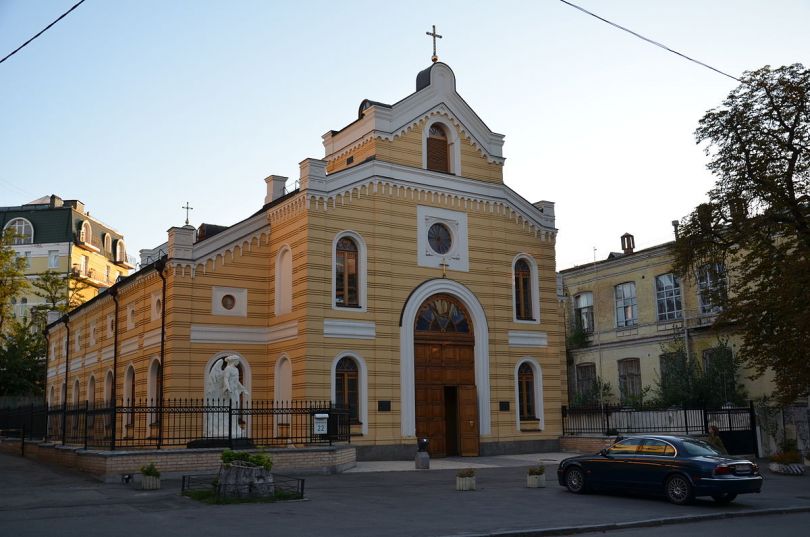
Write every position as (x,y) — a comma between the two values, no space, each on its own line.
(221,388)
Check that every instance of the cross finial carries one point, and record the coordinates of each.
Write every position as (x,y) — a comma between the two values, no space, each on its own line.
(187,208)
(444,266)
(435,36)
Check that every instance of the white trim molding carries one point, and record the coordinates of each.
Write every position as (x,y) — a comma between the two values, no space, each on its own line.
(348,329)
(238,295)
(524,338)
(210,333)
(481,353)
(457,258)
(151,338)
(362,388)
(539,410)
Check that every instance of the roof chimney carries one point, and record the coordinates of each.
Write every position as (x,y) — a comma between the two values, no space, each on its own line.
(275,187)
(628,243)
(675,225)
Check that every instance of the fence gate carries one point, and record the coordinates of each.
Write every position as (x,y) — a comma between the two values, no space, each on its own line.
(737,428)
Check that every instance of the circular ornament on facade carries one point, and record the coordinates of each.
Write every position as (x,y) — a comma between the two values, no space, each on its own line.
(439,238)
(228,302)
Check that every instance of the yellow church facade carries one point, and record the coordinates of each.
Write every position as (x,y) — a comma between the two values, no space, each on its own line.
(401,279)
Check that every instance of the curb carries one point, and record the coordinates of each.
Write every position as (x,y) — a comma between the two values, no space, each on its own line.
(614,526)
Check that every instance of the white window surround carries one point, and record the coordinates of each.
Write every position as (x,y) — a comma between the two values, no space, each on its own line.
(282,388)
(362,270)
(155,308)
(362,385)
(108,384)
(92,334)
(537,382)
(76,392)
(152,383)
(130,317)
(457,258)
(534,281)
(284,270)
(86,233)
(453,143)
(90,395)
(481,352)
(53,259)
(110,326)
(239,295)
(24,229)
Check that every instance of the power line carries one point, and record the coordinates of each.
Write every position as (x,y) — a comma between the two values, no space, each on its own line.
(15,51)
(648,40)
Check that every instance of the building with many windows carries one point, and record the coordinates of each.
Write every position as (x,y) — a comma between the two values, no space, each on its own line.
(630,318)
(401,278)
(61,236)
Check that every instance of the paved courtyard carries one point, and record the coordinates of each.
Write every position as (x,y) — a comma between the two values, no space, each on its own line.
(372,500)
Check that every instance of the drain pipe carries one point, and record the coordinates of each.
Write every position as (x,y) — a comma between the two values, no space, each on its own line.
(66,320)
(113,392)
(160,266)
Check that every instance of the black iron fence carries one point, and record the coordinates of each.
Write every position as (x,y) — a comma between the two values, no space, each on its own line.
(737,425)
(183,423)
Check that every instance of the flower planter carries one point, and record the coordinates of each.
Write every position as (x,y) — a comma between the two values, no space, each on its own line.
(150,482)
(786,469)
(465,483)
(536,481)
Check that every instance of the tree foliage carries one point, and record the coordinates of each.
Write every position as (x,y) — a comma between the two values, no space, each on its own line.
(12,277)
(757,221)
(22,358)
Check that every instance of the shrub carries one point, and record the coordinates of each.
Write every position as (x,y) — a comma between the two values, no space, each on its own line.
(537,470)
(150,470)
(466,472)
(260,459)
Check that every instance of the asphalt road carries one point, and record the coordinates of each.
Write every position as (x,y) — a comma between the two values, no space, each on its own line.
(38,500)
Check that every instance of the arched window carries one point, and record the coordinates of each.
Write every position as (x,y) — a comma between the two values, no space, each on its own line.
(86,232)
(347,387)
(108,386)
(284,281)
(526,391)
(107,243)
(153,383)
(76,390)
(129,396)
(52,397)
(90,396)
(347,292)
(443,314)
(22,229)
(438,157)
(523,291)
(120,251)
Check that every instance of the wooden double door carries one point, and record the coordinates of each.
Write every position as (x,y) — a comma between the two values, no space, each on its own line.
(446,398)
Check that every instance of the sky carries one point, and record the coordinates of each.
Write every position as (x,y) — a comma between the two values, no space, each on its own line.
(137,107)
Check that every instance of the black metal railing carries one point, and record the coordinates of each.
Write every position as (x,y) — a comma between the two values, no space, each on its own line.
(182,423)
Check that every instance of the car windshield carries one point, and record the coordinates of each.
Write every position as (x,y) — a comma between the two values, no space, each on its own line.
(698,447)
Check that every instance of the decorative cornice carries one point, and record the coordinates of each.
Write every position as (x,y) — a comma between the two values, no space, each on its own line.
(349,329)
(208,333)
(522,338)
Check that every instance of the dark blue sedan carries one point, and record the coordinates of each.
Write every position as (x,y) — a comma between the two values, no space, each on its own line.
(679,467)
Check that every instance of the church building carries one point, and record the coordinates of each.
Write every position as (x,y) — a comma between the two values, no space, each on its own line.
(401,278)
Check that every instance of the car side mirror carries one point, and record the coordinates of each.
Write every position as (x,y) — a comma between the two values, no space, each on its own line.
(604,452)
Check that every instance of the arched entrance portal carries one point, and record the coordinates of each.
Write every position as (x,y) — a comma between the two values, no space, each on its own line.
(444,374)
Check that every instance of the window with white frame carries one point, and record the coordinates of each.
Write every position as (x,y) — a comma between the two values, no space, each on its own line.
(583,311)
(22,229)
(284,272)
(107,243)
(120,251)
(586,378)
(347,281)
(53,259)
(86,232)
(626,307)
(347,387)
(525,287)
(711,287)
(27,256)
(526,392)
(668,297)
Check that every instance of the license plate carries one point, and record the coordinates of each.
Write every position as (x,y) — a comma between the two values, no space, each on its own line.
(742,470)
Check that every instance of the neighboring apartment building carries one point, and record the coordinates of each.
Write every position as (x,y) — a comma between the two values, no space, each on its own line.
(61,236)
(403,279)
(628,312)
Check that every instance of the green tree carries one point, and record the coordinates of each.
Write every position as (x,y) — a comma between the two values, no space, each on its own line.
(22,358)
(12,277)
(757,221)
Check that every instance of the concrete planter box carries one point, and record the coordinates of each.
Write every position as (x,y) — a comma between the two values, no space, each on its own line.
(150,482)
(465,483)
(786,469)
(536,481)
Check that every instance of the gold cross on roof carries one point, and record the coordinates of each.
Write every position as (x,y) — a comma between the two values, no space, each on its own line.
(187,208)
(435,36)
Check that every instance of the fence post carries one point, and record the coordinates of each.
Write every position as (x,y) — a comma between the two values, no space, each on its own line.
(752,420)
(160,422)
(230,424)
(113,425)
(22,442)
(31,422)
(686,420)
(86,409)
(564,415)
(705,412)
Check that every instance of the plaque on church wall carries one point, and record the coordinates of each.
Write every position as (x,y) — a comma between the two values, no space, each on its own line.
(383,406)
(503,406)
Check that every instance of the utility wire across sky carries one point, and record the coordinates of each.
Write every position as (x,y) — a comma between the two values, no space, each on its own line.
(15,51)
(648,40)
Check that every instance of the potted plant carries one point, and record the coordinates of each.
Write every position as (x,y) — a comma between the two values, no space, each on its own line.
(536,477)
(150,477)
(465,479)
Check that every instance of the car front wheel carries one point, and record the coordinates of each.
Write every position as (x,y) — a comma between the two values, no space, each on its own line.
(575,480)
(724,498)
(678,490)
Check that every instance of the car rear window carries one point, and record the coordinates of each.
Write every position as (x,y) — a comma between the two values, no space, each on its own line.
(696,448)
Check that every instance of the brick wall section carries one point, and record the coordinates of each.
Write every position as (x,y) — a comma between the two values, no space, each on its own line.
(586,444)
(109,465)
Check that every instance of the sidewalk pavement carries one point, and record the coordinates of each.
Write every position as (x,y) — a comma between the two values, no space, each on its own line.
(374,499)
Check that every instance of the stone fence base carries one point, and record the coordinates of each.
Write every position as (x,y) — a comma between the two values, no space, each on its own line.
(586,443)
(108,466)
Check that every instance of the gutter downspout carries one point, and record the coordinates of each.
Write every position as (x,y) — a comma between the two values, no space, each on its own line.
(160,266)
(114,293)
(66,320)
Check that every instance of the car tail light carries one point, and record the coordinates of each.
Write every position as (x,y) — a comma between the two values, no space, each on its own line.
(755,468)
(723,470)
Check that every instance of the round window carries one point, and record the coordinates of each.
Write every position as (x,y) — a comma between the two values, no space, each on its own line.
(439,238)
(228,302)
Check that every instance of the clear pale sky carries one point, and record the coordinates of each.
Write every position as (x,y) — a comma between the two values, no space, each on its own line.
(135,107)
